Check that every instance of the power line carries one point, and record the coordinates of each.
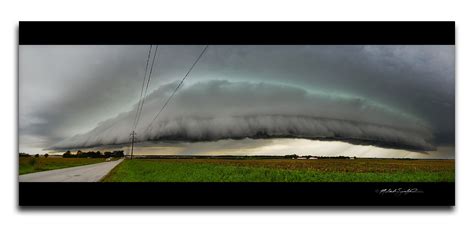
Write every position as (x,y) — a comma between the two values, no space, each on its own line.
(181,82)
(146,88)
(141,101)
(143,84)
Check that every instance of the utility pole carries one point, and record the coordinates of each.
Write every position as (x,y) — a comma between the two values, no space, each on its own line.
(133,134)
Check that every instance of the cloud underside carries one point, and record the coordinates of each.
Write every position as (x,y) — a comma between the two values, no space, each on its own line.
(215,110)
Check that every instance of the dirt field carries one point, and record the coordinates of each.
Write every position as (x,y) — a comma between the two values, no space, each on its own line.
(283,170)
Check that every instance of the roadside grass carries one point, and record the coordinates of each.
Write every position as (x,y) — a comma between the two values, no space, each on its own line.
(32,164)
(282,171)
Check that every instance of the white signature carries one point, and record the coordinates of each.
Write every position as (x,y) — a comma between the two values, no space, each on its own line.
(398,191)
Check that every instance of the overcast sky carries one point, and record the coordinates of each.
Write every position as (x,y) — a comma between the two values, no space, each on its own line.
(86,95)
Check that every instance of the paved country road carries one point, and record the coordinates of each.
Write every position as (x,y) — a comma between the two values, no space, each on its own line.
(86,173)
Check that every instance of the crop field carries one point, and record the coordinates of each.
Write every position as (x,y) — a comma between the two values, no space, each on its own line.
(31,164)
(282,170)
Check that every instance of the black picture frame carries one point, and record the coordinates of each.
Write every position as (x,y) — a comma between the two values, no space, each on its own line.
(238,194)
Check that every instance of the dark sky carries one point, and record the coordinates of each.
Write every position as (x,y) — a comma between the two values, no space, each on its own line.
(397,93)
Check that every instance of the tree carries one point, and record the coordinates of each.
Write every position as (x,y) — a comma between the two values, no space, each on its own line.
(107,154)
(118,154)
(67,154)
(37,155)
(89,154)
(79,154)
(24,155)
(293,156)
(46,155)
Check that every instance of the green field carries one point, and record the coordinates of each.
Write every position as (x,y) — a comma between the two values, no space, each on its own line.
(32,164)
(282,170)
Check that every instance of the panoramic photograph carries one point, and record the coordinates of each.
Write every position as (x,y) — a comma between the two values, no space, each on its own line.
(236,113)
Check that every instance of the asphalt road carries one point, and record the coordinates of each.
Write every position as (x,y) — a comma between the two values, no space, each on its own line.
(86,173)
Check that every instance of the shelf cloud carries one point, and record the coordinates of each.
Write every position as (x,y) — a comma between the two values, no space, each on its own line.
(220,109)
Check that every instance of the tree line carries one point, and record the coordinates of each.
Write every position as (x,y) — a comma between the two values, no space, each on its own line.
(36,155)
(92,154)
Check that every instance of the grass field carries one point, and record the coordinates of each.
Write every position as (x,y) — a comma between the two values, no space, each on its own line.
(283,170)
(31,164)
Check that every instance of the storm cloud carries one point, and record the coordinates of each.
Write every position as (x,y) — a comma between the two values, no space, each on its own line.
(397,95)
(214,110)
